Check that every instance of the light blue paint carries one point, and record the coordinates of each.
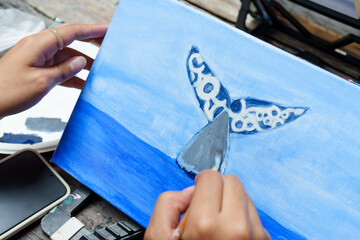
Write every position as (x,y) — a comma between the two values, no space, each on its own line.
(138,110)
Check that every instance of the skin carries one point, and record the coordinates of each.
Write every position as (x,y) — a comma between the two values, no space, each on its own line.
(35,65)
(219,208)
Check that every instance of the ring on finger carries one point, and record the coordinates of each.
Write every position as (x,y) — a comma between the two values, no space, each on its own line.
(59,38)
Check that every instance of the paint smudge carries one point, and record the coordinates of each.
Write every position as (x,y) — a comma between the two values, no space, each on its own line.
(20,138)
(68,200)
(44,124)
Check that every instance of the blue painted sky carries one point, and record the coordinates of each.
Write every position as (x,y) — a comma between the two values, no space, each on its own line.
(305,174)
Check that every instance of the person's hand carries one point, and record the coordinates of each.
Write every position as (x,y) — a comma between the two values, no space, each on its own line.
(36,64)
(219,208)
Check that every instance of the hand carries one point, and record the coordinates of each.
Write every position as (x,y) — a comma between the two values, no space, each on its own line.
(35,65)
(219,208)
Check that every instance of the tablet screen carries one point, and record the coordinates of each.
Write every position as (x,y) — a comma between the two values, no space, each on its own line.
(27,186)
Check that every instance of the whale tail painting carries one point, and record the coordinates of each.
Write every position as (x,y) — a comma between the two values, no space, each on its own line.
(246,115)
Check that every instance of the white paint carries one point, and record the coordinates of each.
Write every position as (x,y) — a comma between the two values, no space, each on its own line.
(249,118)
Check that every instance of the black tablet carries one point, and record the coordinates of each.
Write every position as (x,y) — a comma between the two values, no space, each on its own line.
(29,188)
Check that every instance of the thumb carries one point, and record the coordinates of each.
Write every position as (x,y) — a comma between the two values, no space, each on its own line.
(65,70)
(167,213)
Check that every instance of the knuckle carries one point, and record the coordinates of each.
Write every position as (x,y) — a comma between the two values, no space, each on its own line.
(62,71)
(242,232)
(40,81)
(167,197)
(204,226)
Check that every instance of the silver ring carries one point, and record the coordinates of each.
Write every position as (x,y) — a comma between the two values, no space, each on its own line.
(59,38)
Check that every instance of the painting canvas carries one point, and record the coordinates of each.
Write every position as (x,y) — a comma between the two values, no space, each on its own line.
(165,71)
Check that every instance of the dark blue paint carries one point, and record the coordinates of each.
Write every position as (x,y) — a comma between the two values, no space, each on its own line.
(276,230)
(251,102)
(239,124)
(218,111)
(211,103)
(235,106)
(20,138)
(125,170)
(223,94)
(208,88)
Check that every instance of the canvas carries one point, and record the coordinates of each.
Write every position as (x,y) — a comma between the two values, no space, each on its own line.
(165,71)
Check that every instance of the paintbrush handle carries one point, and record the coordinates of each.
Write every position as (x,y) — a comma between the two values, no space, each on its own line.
(180,228)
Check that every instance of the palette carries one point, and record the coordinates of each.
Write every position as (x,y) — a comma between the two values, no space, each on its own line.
(27,129)
(41,126)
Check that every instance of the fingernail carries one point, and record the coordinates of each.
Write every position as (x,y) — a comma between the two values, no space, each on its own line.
(77,64)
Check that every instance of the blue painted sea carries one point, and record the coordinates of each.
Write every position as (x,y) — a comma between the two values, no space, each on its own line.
(125,170)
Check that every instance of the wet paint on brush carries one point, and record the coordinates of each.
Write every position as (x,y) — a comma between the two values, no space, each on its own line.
(44,124)
(20,138)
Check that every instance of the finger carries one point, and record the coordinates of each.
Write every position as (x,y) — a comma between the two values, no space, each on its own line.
(67,53)
(74,31)
(74,82)
(65,70)
(46,42)
(207,197)
(258,231)
(70,32)
(167,212)
(234,197)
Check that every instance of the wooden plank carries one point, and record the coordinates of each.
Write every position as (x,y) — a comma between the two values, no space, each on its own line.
(98,213)
(282,37)
(316,24)
(226,9)
(80,11)
(357,7)
(204,10)
(328,35)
